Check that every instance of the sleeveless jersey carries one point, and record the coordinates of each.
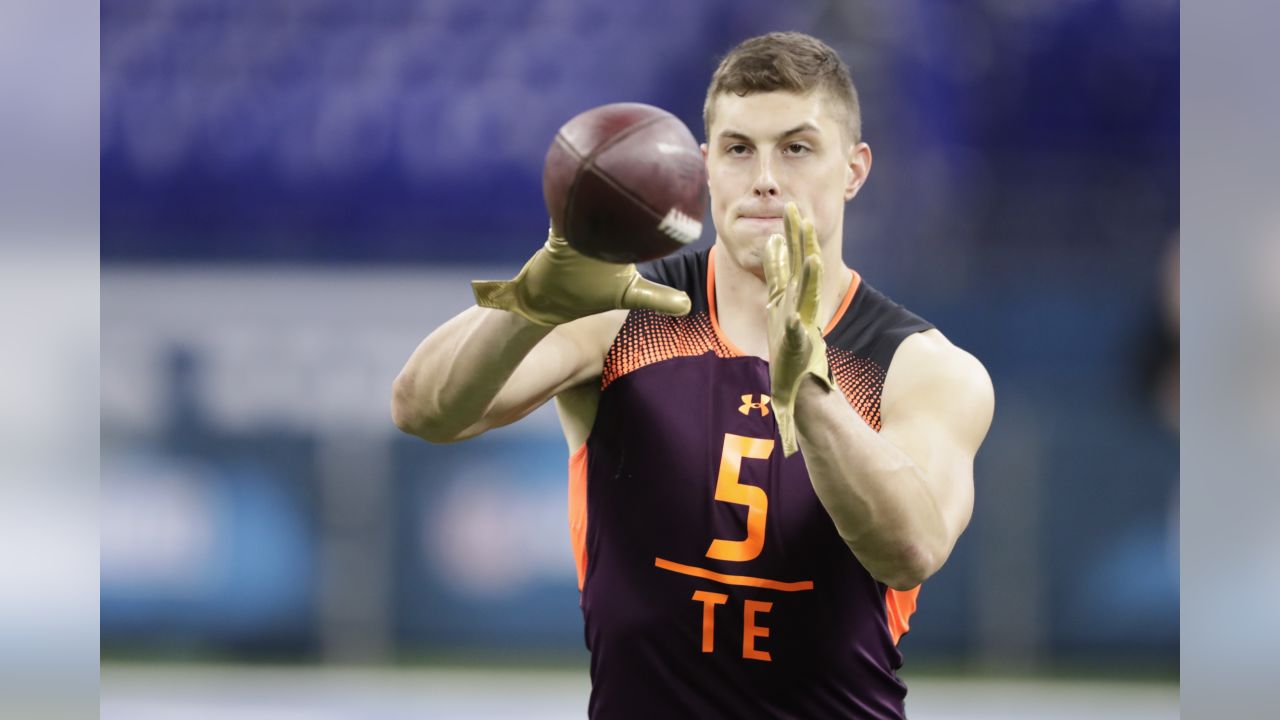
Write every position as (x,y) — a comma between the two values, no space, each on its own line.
(713,582)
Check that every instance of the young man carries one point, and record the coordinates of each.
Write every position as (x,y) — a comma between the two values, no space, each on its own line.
(724,574)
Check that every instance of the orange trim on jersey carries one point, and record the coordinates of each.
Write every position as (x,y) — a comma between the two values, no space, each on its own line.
(899,606)
(844,304)
(733,579)
(711,304)
(578,511)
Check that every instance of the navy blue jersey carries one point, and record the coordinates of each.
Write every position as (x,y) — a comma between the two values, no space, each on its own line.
(714,583)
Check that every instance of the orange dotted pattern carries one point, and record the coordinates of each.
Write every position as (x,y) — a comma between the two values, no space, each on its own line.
(648,337)
(861,381)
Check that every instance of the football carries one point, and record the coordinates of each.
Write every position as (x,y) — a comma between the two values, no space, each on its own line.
(625,183)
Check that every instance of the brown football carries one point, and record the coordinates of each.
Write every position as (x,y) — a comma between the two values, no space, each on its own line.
(625,183)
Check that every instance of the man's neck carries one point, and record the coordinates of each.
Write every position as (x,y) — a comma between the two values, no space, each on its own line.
(741,297)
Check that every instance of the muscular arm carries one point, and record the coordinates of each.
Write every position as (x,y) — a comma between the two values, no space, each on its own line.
(495,363)
(488,368)
(900,498)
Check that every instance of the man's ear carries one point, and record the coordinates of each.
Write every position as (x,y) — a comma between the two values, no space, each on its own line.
(858,170)
(703,148)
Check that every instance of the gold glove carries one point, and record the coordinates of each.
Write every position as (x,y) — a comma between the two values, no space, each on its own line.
(560,284)
(793,271)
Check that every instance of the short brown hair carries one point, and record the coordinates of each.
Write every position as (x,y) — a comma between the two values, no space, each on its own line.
(787,61)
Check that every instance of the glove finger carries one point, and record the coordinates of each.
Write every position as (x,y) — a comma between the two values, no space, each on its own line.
(810,289)
(811,240)
(776,268)
(787,431)
(560,251)
(787,228)
(646,294)
(794,338)
(795,245)
(496,294)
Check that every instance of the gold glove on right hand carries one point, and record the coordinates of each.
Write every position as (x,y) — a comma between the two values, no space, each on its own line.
(560,284)
(793,271)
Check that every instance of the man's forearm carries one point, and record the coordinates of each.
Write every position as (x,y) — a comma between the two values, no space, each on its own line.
(457,371)
(874,493)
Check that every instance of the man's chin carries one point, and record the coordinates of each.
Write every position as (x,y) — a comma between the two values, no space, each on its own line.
(749,253)
(755,247)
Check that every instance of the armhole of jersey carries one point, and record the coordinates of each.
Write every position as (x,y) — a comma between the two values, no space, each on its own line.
(899,606)
(578,511)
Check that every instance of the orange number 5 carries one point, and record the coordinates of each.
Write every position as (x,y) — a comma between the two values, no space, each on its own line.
(728,489)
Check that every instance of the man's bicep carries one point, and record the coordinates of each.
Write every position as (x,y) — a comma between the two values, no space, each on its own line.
(570,355)
(936,408)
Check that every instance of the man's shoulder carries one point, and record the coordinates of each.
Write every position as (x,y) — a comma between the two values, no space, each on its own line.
(929,372)
(923,368)
(934,358)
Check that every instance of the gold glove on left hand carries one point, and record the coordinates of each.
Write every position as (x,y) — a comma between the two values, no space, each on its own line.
(793,271)
(560,284)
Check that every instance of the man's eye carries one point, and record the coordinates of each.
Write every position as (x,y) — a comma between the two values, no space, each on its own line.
(797,149)
(737,149)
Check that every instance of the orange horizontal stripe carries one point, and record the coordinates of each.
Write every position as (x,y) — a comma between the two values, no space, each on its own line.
(733,579)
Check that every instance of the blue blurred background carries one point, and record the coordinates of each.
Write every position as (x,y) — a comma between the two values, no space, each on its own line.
(295,193)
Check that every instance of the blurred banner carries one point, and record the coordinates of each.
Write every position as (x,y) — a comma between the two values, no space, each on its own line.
(295,194)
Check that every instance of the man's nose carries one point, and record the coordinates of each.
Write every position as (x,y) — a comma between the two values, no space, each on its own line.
(765,184)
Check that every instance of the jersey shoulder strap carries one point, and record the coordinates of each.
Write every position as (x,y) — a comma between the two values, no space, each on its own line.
(873,326)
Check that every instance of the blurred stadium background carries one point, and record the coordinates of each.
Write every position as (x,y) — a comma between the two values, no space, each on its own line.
(295,193)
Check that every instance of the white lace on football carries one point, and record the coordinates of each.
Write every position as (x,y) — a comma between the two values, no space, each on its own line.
(680,227)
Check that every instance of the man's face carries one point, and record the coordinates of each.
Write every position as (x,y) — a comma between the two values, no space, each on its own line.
(768,149)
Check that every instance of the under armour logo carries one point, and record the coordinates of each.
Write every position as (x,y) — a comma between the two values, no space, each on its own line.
(762,406)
